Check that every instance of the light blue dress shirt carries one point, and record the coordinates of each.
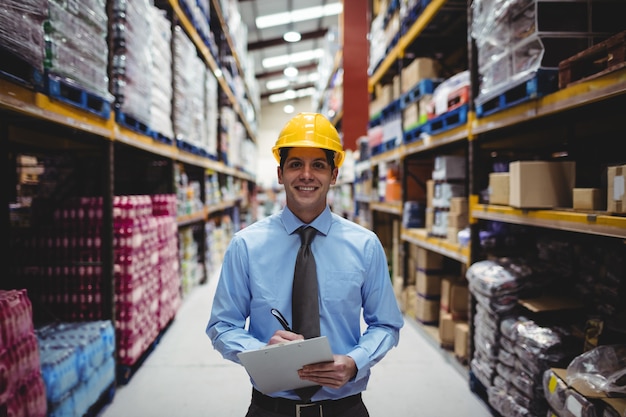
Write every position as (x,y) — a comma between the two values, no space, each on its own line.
(353,278)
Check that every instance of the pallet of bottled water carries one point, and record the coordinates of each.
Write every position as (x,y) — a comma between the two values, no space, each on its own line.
(77,365)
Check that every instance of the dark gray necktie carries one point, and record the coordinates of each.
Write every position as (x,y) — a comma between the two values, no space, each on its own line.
(305,304)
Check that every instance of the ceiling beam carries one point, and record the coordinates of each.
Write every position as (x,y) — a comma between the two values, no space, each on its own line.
(255,46)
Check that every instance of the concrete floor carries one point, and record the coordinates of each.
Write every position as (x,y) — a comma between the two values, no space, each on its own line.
(185,377)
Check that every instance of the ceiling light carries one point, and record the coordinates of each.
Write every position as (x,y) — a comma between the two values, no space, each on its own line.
(281,60)
(289,109)
(276,84)
(300,15)
(303,92)
(282,83)
(312,77)
(290,71)
(292,36)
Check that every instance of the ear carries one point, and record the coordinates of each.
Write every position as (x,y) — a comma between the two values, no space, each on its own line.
(333,178)
(279,174)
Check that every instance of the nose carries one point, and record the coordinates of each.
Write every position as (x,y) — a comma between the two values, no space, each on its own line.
(306,171)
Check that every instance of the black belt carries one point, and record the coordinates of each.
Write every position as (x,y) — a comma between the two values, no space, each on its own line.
(300,409)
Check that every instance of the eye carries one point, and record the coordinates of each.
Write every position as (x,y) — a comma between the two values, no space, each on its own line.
(320,165)
(294,164)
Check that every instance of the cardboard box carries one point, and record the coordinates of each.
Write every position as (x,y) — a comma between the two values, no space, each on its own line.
(445,191)
(410,116)
(409,301)
(586,199)
(541,184)
(450,301)
(447,325)
(396,87)
(376,106)
(29,174)
(430,192)
(449,167)
(26,160)
(459,205)
(461,341)
(452,235)
(459,300)
(426,310)
(428,284)
(428,260)
(571,402)
(499,188)
(386,94)
(417,70)
(616,197)
(458,221)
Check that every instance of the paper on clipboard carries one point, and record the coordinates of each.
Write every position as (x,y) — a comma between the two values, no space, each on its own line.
(275,367)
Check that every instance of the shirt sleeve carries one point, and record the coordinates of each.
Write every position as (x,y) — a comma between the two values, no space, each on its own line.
(226,326)
(381,313)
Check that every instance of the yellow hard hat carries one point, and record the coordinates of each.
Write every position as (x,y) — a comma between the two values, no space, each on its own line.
(310,130)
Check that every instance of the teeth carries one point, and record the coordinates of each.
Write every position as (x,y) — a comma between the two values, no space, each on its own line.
(307,188)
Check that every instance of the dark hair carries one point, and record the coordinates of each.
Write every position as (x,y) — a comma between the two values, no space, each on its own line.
(330,157)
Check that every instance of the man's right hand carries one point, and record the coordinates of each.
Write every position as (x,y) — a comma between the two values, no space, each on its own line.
(282,336)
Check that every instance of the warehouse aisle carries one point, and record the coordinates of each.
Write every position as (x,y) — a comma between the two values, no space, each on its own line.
(185,376)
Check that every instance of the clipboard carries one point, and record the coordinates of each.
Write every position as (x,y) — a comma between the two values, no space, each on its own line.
(275,367)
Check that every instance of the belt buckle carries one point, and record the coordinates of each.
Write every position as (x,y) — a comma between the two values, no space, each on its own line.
(299,408)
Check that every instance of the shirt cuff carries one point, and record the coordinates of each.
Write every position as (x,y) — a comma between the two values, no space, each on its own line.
(362,360)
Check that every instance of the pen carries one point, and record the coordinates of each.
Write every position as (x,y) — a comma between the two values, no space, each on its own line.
(281,319)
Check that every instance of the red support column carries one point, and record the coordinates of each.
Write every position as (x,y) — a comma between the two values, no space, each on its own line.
(355,80)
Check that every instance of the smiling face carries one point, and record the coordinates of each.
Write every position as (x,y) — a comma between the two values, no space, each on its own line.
(307,177)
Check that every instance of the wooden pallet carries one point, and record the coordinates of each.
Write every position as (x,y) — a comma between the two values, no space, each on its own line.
(593,62)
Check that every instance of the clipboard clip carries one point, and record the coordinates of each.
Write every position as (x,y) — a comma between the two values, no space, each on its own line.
(281,319)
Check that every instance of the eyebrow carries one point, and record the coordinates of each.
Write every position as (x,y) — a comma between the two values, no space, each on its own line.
(291,158)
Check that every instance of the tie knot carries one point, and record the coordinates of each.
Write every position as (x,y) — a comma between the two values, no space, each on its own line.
(307,233)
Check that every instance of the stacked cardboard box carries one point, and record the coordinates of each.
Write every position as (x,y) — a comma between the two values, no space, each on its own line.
(448,183)
(458,217)
(454,309)
(426,270)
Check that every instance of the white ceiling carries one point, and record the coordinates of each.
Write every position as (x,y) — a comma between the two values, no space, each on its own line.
(268,42)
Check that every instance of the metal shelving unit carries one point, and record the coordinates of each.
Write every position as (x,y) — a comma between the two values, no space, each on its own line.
(574,112)
(45,124)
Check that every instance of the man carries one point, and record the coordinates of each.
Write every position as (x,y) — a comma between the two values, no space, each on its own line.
(352,274)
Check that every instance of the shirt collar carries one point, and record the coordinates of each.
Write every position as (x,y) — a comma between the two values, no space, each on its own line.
(321,223)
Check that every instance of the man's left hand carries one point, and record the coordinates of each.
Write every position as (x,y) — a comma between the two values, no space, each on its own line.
(330,374)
